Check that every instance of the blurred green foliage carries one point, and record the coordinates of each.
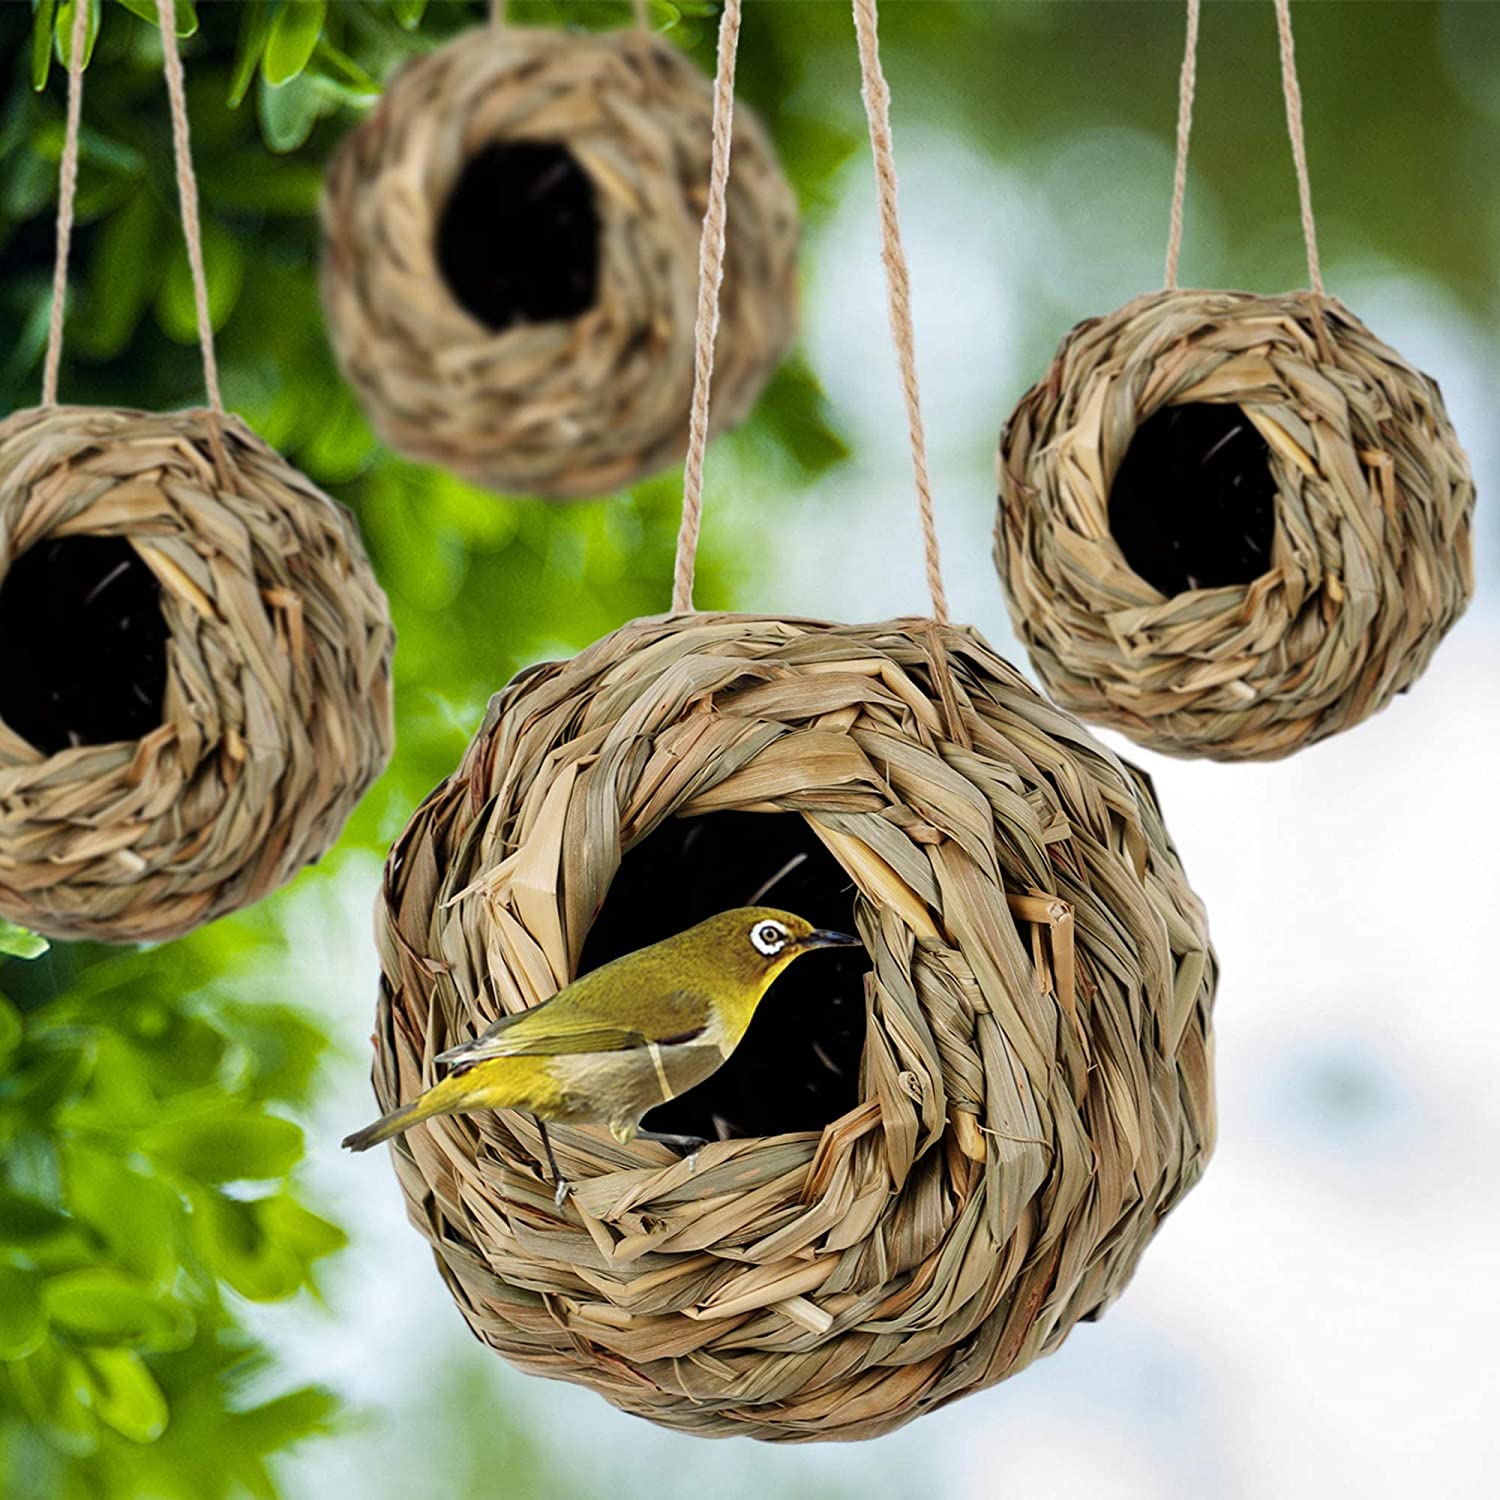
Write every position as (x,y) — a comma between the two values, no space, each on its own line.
(144,1178)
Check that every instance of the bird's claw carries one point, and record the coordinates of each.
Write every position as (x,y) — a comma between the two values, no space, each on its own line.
(564,1187)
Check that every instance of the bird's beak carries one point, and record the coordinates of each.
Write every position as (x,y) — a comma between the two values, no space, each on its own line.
(823,938)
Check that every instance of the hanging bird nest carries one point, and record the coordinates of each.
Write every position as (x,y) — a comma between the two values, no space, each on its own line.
(935,1160)
(1223,538)
(511,252)
(204,689)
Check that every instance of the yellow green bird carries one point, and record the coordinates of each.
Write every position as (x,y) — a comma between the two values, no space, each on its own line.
(625,1038)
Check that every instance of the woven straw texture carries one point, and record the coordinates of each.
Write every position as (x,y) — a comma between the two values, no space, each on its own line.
(1371,557)
(567,407)
(1036,1078)
(277,703)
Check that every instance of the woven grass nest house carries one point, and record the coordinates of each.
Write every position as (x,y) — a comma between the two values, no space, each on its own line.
(933,1155)
(205,693)
(511,259)
(1231,525)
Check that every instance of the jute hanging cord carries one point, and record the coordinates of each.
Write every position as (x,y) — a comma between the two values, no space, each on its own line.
(204,693)
(1026,1031)
(509,259)
(1231,525)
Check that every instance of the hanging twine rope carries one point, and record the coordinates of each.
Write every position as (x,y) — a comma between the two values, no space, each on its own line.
(877,97)
(187,189)
(1185,88)
(1292,94)
(67,191)
(187,192)
(706,326)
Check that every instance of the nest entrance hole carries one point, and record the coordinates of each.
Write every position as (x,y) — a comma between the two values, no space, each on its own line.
(1194,503)
(798,1065)
(85,644)
(518,239)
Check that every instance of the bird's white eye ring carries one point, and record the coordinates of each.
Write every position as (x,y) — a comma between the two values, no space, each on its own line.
(769,938)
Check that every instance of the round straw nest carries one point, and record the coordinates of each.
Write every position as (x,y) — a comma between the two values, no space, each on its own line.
(1035,1087)
(1367,555)
(586,159)
(273,714)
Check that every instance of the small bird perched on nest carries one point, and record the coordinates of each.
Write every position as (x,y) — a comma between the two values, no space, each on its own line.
(623,1039)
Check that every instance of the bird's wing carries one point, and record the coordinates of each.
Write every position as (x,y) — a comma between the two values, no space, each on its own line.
(680,1017)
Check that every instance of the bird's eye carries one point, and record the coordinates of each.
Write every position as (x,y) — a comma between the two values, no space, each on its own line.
(769,938)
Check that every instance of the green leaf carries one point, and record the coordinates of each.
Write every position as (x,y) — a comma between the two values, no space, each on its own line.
(24,1221)
(41,44)
(226,1145)
(65,13)
(23,1316)
(288,113)
(184,16)
(294,35)
(19,943)
(126,1395)
(344,68)
(279,1049)
(231,1238)
(54,1390)
(408,13)
(288,1419)
(135,1216)
(50,1078)
(102,1305)
(796,410)
(307,1235)
(224,270)
(255,30)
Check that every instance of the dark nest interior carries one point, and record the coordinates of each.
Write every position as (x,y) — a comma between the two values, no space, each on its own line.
(518,240)
(85,644)
(798,1066)
(1194,503)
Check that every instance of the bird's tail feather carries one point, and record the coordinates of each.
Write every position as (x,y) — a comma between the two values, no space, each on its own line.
(441,1099)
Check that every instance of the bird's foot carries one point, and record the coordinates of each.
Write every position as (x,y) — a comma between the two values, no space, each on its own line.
(689,1145)
(564,1187)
